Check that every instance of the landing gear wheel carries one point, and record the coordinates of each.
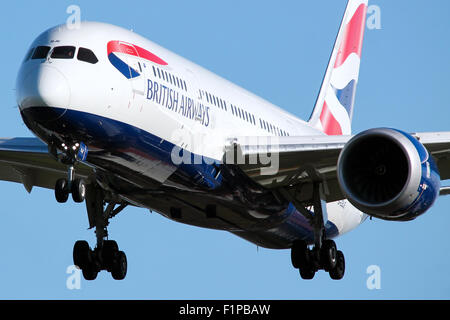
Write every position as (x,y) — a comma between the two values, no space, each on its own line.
(337,273)
(119,270)
(61,190)
(90,271)
(78,190)
(328,255)
(109,253)
(299,254)
(81,254)
(307,272)
(308,266)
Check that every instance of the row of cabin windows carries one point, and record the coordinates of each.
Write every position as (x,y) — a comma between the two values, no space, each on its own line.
(218,102)
(244,115)
(241,113)
(272,128)
(61,52)
(168,77)
(214,100)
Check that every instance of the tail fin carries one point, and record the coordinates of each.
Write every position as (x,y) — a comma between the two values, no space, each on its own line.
(333,111)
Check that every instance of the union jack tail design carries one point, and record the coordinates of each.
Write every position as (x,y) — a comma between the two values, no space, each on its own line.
(333,111)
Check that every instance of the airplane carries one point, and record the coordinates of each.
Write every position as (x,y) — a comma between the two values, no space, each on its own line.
(120,121)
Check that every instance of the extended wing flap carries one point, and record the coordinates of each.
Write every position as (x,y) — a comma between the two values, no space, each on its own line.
(290,162)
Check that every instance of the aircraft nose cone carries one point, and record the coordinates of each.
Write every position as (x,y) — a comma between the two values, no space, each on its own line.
(43,92)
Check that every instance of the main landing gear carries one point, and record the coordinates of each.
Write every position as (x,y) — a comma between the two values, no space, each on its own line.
(106,255)
(326,257)
(324,254)
(100,208)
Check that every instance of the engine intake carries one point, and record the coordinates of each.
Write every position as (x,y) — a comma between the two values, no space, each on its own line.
(388,174)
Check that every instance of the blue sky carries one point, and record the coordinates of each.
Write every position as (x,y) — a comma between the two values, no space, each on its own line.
(278,50)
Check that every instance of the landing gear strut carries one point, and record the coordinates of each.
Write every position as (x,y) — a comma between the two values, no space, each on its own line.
(324,254)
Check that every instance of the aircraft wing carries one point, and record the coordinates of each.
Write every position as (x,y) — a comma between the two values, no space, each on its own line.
(295,162)
(27,161)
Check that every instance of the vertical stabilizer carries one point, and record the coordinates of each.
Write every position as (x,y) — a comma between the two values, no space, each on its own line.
(333,111)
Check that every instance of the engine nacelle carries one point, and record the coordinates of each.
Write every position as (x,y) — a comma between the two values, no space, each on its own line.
(388,174)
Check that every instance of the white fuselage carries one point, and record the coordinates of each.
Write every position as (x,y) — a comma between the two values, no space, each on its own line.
(171,99)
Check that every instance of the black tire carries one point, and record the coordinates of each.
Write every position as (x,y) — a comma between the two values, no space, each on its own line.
(61,190)
(299,253)
(308,265)
(81,254)
(328,255)
(307,272)
(119,270)
(90,272)
(78,190)
(109,253)
(337,273)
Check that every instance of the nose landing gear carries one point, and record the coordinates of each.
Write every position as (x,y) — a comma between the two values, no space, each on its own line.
(64,186)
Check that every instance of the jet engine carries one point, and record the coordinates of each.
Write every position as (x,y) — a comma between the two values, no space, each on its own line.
(388,174)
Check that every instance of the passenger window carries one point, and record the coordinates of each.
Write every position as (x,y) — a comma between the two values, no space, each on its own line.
(86,55)
(64,52)
(40,52)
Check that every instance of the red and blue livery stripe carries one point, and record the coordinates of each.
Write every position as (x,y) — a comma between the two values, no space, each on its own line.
(117,46)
